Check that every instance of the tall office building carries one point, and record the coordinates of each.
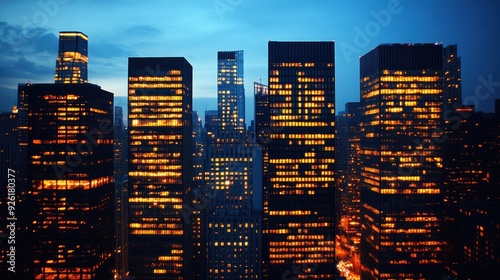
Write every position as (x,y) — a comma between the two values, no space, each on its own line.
(210,121)
(121,195)
(348,178)
(160,166)
(301,155)
(198,199)
(452,78)
(232,222)
(72,58)
(261,97)
(230,90)
(70,178)
(261,137)
(402,169)
(479,238)
(120,146)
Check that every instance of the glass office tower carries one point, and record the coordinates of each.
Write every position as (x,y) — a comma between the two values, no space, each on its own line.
(160,166)
(401,162)
(232,222)
(69,140)
(72,58)
(300,176)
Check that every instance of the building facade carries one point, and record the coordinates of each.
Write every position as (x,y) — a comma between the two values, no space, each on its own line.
(70,178)
(348,178)
(160,167)
(452,78)
(402,168)
(72,58)
(479,238)
(232,220)
(121,194)
(299,178)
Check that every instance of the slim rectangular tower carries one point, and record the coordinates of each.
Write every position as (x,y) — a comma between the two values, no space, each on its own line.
(232,223)
(348,180)
(72,58)
(301,156)
(452,79)
(401,162)
(160,166)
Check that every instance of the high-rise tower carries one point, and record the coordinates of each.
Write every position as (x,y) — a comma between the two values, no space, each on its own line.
(401,162)
(348,178)
(160,166)
(69,140)
(232,222)
(72,58)
(300,165)
(452,79)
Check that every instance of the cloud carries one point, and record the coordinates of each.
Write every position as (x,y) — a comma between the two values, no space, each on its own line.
(26,54)
(23,68)
(142,30)
(107,50)
(15,40)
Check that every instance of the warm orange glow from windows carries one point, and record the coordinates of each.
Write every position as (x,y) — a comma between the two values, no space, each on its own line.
(73,184)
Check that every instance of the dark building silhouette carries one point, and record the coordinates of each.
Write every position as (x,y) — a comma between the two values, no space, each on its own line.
(470,157)
(452,78)
(69,140)
(348,166)
(402,168)
(210,121)
(72,58)
(232,219)
(199,201)
(261,97)
(120,146)
(121,194)
(479,239)
(160,167)
(299,238)
(261,137)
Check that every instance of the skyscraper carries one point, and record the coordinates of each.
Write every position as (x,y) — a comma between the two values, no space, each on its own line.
(120,146)
(121,195)
(72,58)
(160,166)
(230,90)
(261,138)
(261,96)
(348,177)
(452,78)
(300,176)
(198,199)
(70,176)
(232,221)
(479,239)
(402,169)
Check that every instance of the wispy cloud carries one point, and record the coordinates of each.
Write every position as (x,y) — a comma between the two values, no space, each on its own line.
(138,30)
(108,50)
(26,54)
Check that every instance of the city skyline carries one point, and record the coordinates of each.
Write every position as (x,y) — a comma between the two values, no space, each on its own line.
(202,28)
(402,109)
(250,140)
